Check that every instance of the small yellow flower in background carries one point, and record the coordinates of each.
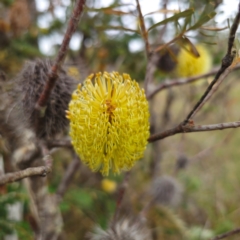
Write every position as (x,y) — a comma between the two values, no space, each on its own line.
(109,122)
(73,72)
(189,65)
(108,185)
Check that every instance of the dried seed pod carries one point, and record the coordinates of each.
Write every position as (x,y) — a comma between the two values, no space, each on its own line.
(30,84)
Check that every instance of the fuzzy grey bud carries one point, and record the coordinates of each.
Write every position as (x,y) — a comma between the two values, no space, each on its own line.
(30,84)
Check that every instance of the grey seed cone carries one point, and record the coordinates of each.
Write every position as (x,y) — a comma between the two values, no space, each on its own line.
(31,82)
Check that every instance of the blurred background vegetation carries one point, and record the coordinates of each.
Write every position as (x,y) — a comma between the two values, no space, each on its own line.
(202,168)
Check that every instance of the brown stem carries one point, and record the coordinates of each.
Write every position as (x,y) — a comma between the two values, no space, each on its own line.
(121,193)
(53,75)
(226,62)
(214,89)
(181,128)
(228,234)
(179,36)
(29,172)
(172,83)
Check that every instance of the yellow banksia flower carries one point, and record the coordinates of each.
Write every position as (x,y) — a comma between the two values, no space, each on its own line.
(108,185)
(109,122)
(189,65)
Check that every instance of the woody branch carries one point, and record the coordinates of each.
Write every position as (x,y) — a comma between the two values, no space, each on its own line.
(188,125)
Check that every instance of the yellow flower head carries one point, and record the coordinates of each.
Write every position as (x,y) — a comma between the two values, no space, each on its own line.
(109,122)
(189,65)
(108,185)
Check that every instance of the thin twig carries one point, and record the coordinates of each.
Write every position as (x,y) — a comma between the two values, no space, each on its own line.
(226,62)
(68,176)
(182,81)
(180,35)
(208,150)
(29,172)
(143,29)
(191,128)
(164,28)
(214,89)
(53,75)
(153,56)
(121,192)
(187,125)
(228,234)
(151,67)
(146,208)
